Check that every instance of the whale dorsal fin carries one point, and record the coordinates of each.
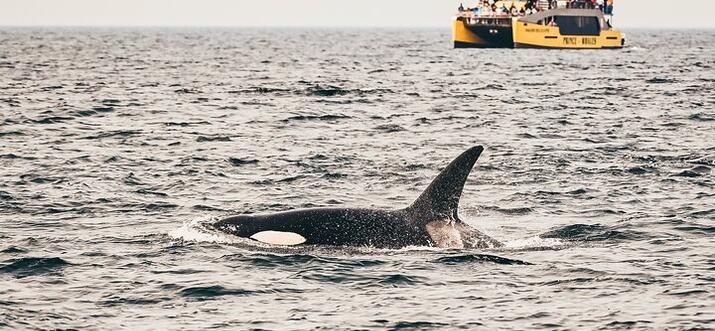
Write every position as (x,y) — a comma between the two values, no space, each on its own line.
(441,198)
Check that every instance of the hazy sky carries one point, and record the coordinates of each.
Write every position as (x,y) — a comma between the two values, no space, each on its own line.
(348,13)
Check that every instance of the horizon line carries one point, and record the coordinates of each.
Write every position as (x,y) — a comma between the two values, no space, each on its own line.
(301,26)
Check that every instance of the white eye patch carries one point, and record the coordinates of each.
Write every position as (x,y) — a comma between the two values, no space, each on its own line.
(279,238)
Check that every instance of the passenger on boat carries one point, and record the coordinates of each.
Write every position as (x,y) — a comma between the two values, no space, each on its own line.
(532,4)
(486,8)
(532,7)
(513,10)
(461,8)
(609,7)
(599,4)
(574,4)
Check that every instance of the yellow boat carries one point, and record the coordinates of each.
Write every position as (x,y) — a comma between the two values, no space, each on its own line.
(570,28)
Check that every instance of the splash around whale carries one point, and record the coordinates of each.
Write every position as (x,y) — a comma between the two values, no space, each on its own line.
(431,220)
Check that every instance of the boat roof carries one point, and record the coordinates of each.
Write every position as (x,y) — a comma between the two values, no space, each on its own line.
(534,18)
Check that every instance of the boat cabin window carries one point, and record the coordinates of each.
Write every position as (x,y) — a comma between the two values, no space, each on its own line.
(578,25)
(550,21)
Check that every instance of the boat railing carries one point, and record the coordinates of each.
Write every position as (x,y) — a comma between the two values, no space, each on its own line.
(473,15)
(575,4)
(539,5)
(496,21)
(492,19)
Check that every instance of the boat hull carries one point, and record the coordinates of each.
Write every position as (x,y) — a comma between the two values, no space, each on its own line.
(530,35)
(523,33)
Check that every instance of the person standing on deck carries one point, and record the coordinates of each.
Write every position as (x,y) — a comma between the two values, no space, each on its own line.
(486,8)
(609,7)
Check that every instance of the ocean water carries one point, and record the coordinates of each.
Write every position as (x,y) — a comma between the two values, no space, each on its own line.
(119,146)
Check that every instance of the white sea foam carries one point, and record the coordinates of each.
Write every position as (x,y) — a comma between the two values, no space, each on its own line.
(534,243)
(196,230)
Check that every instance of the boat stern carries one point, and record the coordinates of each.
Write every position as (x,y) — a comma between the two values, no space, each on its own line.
(463,37)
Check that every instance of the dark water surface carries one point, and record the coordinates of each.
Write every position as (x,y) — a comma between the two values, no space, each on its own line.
(117,146)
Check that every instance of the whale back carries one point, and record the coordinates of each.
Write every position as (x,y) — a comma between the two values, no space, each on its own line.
(420,224)
(440,200)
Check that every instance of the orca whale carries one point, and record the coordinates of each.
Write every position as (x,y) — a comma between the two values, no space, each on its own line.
(432,220)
